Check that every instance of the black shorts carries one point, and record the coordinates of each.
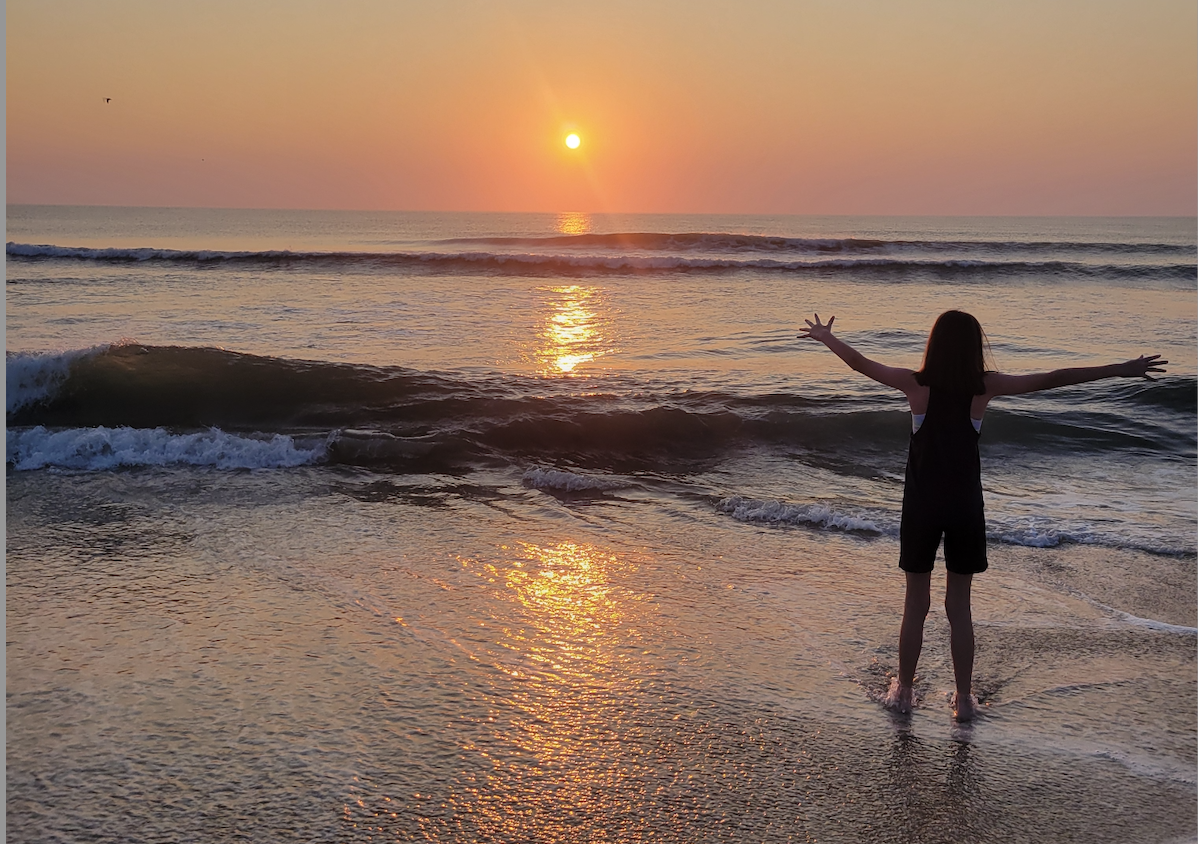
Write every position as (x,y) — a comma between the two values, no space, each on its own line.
(964,543)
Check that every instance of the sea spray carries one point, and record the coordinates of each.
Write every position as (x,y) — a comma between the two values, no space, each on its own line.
(101,449)
(32,377)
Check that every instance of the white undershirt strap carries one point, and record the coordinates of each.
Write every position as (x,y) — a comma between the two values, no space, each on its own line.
(917,420)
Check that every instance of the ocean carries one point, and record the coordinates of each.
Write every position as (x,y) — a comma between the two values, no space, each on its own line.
(355,526)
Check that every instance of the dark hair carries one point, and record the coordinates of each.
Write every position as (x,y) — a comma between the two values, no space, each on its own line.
(955,357)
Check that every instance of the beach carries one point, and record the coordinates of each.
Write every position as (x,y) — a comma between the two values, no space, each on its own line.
(543,527)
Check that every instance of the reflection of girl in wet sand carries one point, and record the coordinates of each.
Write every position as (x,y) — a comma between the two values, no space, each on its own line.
(942,496)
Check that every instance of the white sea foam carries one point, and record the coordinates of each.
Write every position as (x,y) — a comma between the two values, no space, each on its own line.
(1011,532)
(1157,626)
(543,478)
(1147,766)
(1147,623)
(34,376)
(1038,534)
(1031,537)
(100,449)
(780,513)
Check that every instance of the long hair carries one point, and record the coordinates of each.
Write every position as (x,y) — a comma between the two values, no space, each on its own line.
(955,357)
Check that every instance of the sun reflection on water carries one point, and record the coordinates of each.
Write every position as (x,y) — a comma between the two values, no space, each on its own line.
(573,222)
(570,647)
(571,335)
(570,610)
(567,587)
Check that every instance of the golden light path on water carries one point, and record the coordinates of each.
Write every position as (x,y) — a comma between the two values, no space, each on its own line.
(571,642)
(573,222)
(570,333)
(572,318)
(570,328)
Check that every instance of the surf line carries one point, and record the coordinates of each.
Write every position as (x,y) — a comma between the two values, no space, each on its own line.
(1151,623)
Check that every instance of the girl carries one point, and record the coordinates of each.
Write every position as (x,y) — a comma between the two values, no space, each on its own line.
(942,495)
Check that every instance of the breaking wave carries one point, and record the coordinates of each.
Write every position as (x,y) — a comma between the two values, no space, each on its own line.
(814,515)
(100,449)
(859,260)
(559,480)
(395,413)
(127,406)
(726,241)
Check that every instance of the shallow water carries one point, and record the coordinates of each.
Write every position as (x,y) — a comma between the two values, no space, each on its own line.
(483,548)
(197,656)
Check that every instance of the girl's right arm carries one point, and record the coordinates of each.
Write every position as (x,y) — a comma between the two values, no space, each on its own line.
(891,376)
(998,384)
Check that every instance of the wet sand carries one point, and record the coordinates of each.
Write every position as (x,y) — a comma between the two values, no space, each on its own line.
(265,656)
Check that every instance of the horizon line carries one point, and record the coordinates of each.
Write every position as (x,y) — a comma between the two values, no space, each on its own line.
(597,213)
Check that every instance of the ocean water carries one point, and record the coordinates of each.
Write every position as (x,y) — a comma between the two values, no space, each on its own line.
(463,527)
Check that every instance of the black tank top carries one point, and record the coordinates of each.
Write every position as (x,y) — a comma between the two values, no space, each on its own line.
(944,471)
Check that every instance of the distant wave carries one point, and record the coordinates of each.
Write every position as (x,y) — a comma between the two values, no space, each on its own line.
(574,263)
(733,242)
(136,254)
(696,241)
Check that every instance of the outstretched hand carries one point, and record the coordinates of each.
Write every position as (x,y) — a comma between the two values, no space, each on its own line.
(1141,366)
(818,330)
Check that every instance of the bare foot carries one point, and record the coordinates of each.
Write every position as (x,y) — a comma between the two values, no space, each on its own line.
(964,709)
(900,698)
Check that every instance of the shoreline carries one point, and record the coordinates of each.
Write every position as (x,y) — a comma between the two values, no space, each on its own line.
(263,649)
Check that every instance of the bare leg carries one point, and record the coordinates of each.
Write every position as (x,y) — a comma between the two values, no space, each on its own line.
(915,611)
(960,619)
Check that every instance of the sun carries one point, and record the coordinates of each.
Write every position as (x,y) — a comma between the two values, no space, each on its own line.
(573,141)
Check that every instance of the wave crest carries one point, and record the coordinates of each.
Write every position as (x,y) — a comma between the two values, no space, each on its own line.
(539,263)
(32,377)
(811,515)
(562,481)
(407,413)
(101,449)
(743,242)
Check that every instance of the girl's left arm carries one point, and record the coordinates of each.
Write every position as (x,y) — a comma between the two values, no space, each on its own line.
(998,384)
(891,376)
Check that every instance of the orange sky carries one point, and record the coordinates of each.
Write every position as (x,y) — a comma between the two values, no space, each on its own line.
(794,106)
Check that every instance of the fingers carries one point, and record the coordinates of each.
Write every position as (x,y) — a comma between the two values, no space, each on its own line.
(817,325)
(1148,363)
(1152,363)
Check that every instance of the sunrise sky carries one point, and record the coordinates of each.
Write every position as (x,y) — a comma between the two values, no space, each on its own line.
(804,106)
